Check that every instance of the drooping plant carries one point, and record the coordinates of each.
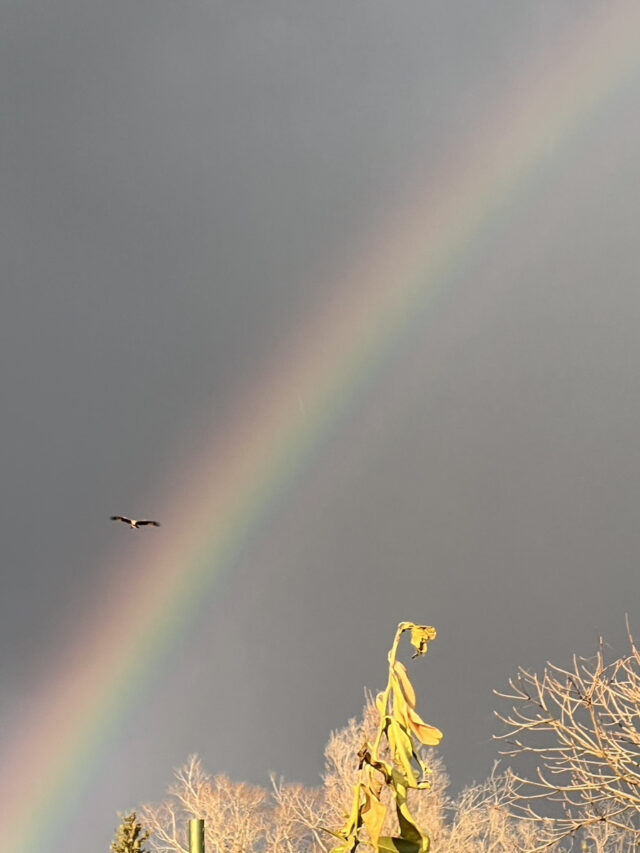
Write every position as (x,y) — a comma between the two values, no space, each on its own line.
(397,768)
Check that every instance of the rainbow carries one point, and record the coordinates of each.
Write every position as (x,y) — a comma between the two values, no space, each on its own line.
(239,476)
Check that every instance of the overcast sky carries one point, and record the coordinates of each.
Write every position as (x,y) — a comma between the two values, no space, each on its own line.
(175,178)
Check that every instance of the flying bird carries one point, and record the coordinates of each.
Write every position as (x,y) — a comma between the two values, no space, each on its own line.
(135,524)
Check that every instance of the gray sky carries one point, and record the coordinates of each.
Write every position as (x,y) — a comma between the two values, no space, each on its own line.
(175,176)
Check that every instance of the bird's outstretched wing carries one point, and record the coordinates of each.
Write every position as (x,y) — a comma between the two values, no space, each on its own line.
(148,521)
(121,518)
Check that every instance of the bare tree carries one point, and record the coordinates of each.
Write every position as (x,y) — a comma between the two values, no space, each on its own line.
(236,814)
(605,838)
(481,820)
(299,821)
(581,726)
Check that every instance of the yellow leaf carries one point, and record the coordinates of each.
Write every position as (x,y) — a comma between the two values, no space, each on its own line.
(408,826)
(426,734)
(405,684)
(388,844)
(373,815)
(420,636)
(402,750)
(423,783)
(409,830)
(331,832)
(400,705)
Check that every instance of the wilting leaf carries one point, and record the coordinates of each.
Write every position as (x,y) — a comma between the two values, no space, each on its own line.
(373,815)
(402,750)
(408,827)
(400,671)
(354,822)
(389,844)
(400,705)
(420,636)
(381,766)
(331,832)
(409,830)
(426,734)
(423,783)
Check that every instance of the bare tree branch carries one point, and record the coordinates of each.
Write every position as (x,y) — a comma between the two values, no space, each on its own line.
(582,728)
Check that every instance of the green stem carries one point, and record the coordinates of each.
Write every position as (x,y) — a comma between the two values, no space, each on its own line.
(393,652)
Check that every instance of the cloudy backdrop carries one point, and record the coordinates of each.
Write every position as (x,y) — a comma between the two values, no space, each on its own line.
(179,180)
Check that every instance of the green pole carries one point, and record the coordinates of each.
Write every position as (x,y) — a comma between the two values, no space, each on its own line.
(196,835)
